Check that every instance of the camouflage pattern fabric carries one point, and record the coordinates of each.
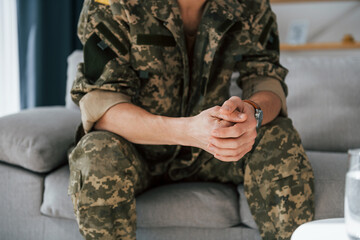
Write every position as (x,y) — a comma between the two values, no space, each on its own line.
(279,181)
(108,172)
(138,48)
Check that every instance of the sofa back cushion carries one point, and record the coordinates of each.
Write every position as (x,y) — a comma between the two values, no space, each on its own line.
(72,62)
(37,139)
(324,98)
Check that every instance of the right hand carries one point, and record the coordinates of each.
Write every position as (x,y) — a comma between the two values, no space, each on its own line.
(232,143)
(202,125)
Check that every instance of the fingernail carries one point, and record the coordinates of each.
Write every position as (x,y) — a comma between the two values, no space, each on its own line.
(215,133)
(241,116)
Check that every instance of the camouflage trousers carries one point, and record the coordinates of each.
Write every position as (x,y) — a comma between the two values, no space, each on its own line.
(107,172)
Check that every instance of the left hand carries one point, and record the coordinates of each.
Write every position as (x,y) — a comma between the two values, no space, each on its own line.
(232,143)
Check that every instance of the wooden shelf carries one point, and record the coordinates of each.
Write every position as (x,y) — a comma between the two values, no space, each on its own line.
(319,46)
(303,1)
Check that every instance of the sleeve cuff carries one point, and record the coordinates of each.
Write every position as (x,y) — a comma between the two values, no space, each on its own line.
(265,84)
(95,103)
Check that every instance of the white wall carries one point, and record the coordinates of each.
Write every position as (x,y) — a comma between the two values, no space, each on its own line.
(328,21)
(9,64)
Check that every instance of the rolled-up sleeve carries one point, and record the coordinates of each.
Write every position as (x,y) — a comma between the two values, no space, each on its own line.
(94,105)
(266,84)
(105,78)
(260,69)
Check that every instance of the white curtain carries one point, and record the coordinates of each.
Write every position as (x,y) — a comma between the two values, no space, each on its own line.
(9,60)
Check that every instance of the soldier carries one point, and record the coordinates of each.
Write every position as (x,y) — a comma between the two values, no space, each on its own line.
(154,97)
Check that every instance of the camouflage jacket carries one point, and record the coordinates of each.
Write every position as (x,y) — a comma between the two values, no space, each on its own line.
(135,50)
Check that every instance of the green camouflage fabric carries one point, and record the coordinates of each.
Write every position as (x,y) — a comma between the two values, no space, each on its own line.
(138,48)
(107,172)
(145,57)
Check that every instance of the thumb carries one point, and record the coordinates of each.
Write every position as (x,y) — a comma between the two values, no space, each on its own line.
(234,116)
(232,104)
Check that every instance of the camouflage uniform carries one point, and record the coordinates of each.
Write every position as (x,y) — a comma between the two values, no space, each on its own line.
(135,51)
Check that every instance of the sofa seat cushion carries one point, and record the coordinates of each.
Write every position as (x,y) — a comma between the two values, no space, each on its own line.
(329,170)
(200,204)
(38,139)
(207,205)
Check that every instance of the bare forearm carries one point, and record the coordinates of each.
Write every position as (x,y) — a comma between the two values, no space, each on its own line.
(270,104)
(141,127)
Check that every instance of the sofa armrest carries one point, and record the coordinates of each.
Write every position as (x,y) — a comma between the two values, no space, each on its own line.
(38,139)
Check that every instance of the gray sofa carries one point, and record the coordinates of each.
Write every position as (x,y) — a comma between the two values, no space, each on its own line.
(323,102)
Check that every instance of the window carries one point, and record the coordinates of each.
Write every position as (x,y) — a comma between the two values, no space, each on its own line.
(9,60)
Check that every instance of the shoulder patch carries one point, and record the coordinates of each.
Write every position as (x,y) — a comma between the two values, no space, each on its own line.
(105,2)
(96,55)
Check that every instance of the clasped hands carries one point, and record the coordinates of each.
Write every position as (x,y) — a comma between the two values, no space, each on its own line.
(227,132)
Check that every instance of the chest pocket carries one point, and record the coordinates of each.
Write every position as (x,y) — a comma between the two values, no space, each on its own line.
(154,53)
(157,40)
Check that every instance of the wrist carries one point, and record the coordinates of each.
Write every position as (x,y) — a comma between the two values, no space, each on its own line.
(187,132)
(258,113)
(176,129)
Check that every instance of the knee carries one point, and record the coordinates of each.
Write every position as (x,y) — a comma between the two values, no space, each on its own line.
(279,152)
(280,133)
(101,153)
(102,177)
(101,165)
